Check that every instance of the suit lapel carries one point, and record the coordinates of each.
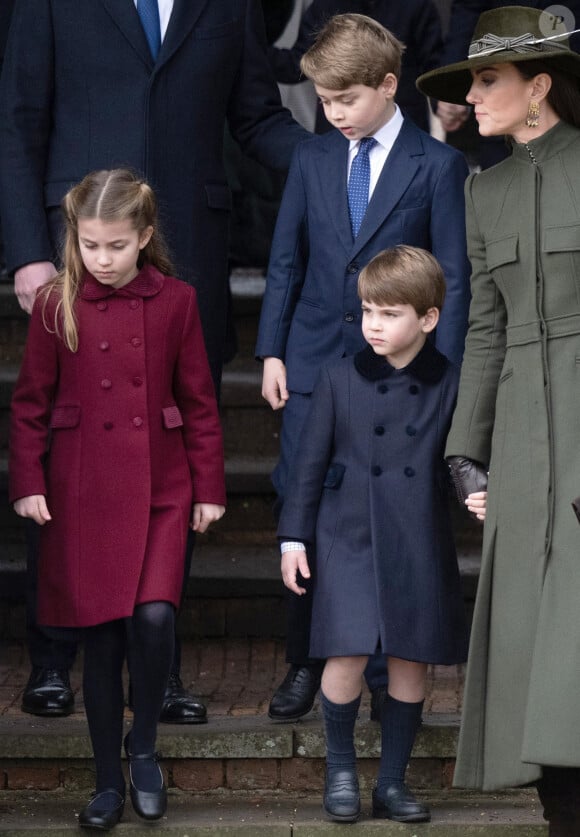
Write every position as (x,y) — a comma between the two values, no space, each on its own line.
(124,15)
(399,170)
(183,17)
(331,166)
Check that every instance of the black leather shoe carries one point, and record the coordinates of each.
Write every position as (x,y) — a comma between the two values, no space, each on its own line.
(398,804)
(295,695)
(48,692)
(180,706)
(151,805)
(378,700)
(342,796)
(104,810)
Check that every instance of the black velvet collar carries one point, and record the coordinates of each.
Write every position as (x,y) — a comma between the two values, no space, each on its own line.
(428,366)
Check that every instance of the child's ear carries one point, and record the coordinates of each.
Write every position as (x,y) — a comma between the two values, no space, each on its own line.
(430,320)
(389,85)
(145,237)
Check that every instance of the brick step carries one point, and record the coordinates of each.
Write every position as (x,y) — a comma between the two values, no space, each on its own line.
(454,814)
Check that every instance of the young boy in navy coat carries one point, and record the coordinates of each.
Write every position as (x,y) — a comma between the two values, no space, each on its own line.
(325,234)
(367,494)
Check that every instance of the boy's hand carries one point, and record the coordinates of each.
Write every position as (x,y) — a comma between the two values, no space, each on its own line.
(204,514)
(274,382)
(293,562)
(477,504)
(33,507)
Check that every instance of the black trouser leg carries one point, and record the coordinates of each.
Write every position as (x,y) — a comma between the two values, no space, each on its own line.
(559,792)
(189,546)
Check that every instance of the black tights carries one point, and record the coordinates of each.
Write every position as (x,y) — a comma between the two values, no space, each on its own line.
(147,639)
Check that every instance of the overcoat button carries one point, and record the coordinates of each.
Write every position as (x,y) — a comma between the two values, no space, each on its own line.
(137,382)
(413,389)
(410,430)
(133,303)
(349,317)
(106,384)
(101,306)
(376,470)
(382,388)
(136,341)
(379,430)
(137,421)
(409,472)
(104,345)
(108,425)
(352,267)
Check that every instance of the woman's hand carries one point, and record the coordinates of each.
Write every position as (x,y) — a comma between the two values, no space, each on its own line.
(293,562)
(33,507)
(204,514)
(477,504)
(274,382)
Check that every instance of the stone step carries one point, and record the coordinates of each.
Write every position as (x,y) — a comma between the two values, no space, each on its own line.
(454,814)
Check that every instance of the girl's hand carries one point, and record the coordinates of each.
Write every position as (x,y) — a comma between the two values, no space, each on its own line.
(274,382)
(204,514)
(477,504)
(33,507)
(293,562)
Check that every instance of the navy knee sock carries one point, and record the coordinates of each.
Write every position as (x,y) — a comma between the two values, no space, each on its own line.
(399,724)
(339,721)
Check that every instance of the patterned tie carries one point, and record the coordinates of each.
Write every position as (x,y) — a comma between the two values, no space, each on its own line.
(148,11)
(359,182)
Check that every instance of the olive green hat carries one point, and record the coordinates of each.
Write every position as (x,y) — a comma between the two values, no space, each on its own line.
(509,34)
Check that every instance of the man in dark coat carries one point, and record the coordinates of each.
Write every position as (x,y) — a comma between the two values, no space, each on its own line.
(82,90)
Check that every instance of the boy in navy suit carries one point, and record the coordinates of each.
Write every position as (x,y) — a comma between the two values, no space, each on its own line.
(367,494)
(324,236)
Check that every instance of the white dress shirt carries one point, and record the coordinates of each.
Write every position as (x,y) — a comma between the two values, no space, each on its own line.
(165,9)
(378,154)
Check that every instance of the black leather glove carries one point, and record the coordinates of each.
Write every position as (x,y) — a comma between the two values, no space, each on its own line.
(468,477)
(576,507)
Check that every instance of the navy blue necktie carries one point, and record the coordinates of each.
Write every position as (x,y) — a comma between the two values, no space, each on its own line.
(148,11)
(359,182)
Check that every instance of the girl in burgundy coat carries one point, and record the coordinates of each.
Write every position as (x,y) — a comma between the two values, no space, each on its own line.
(115,449)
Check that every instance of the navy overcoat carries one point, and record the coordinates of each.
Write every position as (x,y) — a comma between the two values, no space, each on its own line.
(369,489)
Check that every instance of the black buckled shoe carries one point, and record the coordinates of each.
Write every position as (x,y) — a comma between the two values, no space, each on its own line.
(151,805)
(342,796)
(398,803)
(180,706)
(104,810)
(48,692)
(295,695)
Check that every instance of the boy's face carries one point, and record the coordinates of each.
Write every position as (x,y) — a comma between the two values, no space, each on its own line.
(396,332)
(359,111)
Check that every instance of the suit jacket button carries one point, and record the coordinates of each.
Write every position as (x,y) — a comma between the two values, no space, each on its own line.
(376,470)
(138,421)
(349,317)
(106,384)
(410,430)
(409,472)
(379,430)
(352,268)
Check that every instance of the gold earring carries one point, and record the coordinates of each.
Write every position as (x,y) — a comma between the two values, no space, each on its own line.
(533,117)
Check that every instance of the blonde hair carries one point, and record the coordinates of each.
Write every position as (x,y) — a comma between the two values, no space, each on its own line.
(115,195)
(403,275)
(352,49)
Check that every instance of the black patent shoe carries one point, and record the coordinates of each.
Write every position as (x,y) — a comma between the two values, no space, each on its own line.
(341,796)
(295,696)
(180,706)
(104,810)
(48,692)
(398,803)
(151,805)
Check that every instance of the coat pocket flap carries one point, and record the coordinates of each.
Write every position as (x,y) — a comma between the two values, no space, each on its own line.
(171,417)
(65,415)
(218,196)
(501,251)
(334,475)
(562,239)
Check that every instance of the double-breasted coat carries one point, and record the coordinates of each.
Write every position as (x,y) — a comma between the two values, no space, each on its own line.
(517,413)
(369,490)
(133,435)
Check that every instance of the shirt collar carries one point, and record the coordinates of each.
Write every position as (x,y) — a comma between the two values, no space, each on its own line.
(428,366)
(386,135)
(148,282)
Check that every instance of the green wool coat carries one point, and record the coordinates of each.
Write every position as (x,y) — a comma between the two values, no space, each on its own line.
(518,413)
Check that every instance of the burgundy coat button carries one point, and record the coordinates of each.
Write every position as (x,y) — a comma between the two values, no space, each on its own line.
(101,306)
(108,425)
(136,341)
(106,384)
(137,382)
(104,345)
(137,421)
(134,303)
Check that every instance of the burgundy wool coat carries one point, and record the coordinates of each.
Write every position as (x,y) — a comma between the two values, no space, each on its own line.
(121,436)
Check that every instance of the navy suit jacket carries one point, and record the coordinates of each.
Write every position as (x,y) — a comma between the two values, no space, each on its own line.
(80,92)
(311,311)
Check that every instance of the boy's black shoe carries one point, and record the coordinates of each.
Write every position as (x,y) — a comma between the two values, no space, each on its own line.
(342,796)
(398,803)
(181,706)
(104,810)
(48,692)
(295,696)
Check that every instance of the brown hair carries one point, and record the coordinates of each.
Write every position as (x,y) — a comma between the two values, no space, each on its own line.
(352,49)
(564,94)
(115,195)
(403,275)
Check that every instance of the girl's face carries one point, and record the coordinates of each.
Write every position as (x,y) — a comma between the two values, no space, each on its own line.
(500,99)
(110,249)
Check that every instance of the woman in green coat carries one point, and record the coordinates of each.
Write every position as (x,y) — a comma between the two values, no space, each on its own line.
(518,411)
